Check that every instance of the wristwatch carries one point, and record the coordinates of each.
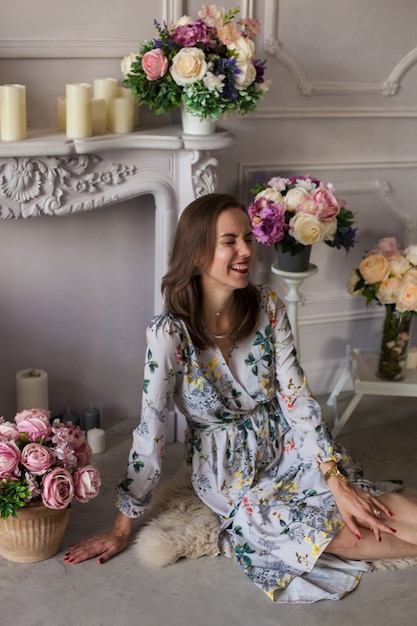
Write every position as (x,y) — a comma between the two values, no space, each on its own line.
(336,472)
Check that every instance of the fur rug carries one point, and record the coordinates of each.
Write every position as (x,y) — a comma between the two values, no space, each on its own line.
(178,524)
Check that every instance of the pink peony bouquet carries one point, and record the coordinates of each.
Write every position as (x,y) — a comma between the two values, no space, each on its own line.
(44,463)
(388,275)
(298,212)
(206,64)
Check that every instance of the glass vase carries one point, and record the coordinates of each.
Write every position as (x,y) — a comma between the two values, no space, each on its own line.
(394,343)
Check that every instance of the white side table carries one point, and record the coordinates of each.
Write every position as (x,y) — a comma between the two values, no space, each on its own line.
(294,280)
(361,366)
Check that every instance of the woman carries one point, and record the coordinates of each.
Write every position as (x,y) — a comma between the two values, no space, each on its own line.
(259,455)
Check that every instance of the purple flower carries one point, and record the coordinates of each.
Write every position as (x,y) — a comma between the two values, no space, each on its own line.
(191,34)
(268,221)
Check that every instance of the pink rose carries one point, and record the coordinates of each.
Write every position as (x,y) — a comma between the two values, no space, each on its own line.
(57,489)
(327,205)
(35,423)
(9,459)
(83,453)
(8,431)
(154,64)
(86,483)
(387,246)
(37,458)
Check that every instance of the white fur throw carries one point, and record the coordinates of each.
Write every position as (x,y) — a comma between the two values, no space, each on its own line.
(178,524)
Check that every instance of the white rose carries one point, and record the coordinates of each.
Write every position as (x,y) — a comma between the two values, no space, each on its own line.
(126,63)
(246,76)
(243,47)
(270,194)
(306,228)
(387,290)
(294,197)
(188,66)
(411,254)
(398,265)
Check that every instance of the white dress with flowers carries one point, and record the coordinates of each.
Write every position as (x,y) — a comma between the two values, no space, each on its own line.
(255,438)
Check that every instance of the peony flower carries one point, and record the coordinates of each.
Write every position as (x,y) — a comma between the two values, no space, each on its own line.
(327,205)
(188,66)
(154,64)
(9,459)
(374,268)
(8,431)
(35,423)
(387,246)
(387,290)
(57,489)
(36,458)
(86,483)
(306,228)
(270,194)
(407,295)
(246,75)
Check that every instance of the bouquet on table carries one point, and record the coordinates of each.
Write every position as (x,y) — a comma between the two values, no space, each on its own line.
(207,64)
(300,211)
(388,276)
(43,463)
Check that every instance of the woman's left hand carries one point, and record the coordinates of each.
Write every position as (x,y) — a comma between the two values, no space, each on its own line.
(359,508)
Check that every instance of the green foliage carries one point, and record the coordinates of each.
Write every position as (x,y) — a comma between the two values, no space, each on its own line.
(13,495)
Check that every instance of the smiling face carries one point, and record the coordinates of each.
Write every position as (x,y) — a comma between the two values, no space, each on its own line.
(233,254)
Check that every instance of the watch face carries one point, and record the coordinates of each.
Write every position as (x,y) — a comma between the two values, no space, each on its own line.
(342,471)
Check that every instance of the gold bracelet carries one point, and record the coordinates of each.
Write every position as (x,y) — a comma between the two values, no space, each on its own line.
(334,471)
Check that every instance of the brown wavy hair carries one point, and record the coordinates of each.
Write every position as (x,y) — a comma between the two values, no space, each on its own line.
(192,253)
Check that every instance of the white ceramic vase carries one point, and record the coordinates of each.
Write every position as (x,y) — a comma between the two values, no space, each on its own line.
(194,125)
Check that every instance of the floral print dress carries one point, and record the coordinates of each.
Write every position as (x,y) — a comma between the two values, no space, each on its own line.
(254,440)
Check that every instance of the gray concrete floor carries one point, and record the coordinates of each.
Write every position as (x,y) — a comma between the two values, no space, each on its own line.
(210,591)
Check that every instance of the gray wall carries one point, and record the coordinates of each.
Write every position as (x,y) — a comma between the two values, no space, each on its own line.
(77,291)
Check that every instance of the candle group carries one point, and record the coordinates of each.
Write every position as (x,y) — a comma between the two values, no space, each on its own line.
(13,126)
(83,112)
(32,389)
(96,437)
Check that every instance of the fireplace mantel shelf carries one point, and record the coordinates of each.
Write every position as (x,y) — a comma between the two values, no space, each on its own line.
(48,174)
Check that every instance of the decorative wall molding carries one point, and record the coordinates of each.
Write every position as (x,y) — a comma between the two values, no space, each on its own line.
(307,87)
(333,113)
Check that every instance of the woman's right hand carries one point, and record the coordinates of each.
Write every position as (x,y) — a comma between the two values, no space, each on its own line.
(105,545)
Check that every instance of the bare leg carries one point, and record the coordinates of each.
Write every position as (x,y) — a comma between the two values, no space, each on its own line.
(402,544)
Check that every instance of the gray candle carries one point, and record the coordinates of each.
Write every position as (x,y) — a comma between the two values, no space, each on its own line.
(91,417)
(69,416)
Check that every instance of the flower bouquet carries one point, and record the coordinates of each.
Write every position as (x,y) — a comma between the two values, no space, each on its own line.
(43,463)
(206,64)
(298,212)
(388,275)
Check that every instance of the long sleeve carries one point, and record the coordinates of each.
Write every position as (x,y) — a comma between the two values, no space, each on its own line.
(300,408)
(162,366)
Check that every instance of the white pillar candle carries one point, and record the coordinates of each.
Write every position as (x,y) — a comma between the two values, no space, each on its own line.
(32,389)
(411,362)
(106,88)
(126,93)
(62,113)
(96,437)
(99,116)
(121,115)
(79,111)
(13,112)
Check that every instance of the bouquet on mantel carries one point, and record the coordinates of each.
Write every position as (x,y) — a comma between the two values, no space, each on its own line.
(207,64)
(388,276)
(300,211)
(43,463)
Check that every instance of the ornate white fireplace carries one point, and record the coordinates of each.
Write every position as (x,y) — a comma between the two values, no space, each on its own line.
(53,175)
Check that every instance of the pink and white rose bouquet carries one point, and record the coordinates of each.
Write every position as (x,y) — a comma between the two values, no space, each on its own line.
(388,275)
(298,212)
(207,64)
(44,462)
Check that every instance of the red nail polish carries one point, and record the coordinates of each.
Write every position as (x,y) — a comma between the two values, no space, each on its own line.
(101,560)
(358,537)
(393,530)
(380,539)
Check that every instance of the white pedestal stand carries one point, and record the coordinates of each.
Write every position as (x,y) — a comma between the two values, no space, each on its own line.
(294,280)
